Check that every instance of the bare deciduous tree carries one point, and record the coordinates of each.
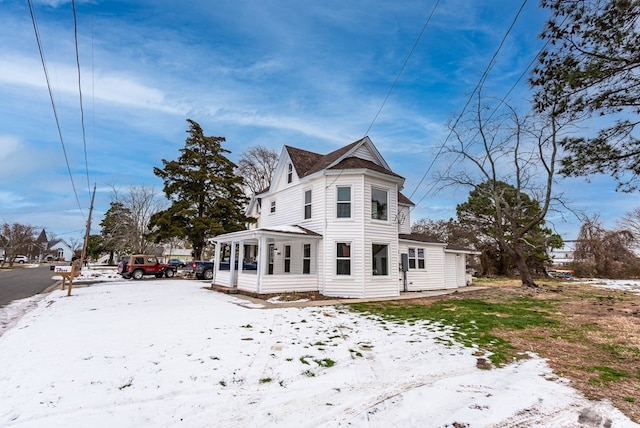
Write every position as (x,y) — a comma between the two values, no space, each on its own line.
(509,162)
(604,253)
(140,203)
(256,166)
(16,238)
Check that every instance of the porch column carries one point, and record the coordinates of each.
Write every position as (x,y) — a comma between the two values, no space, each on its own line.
(232,264)
(216,261)
(263,260)
(240,256)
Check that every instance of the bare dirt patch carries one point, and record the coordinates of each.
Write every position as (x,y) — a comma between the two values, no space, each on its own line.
(595,342)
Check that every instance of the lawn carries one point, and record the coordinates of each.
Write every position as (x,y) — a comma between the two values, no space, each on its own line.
(589,335)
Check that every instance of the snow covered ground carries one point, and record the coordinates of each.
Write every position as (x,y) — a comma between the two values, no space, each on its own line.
(158,353)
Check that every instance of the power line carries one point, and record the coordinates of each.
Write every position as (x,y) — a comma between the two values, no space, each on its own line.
(393,85)
(84,134)
(477,87)
(53,105)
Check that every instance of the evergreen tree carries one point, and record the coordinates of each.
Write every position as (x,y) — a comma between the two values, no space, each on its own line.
(510,227)
(591,68)
(116,225)
(205,194)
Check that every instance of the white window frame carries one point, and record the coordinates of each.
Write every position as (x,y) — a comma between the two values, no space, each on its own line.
(306,258)
(287,259)
(344,202)
(307,215)
(374,212)
(343,258)
(290,173)
(272,209)
(373,258)
(417,258)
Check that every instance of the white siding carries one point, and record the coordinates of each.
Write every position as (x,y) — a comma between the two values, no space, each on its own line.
(364,153)
(288,283)
(248,281)
(432,277)
(344,230)
(223,277)
(404,219)
(384,232)
(450,271)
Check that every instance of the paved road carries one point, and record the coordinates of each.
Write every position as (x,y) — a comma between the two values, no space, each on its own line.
(21,282)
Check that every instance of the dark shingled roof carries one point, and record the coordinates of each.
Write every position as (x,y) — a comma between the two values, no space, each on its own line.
(419,237)
(306,162)
(357,163)
(402,199)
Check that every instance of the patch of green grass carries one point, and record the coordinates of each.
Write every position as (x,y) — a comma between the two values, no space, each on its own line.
(246,326)
(630,399)
(472,321)
(304,360)
(325,362)
(308,373)
(222,383)
(355,353)
(266,380)
(607,374)
(621,352)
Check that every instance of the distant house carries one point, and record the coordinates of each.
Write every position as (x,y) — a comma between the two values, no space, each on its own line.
(59,250)
(563,256)
(337,224)
(177,253)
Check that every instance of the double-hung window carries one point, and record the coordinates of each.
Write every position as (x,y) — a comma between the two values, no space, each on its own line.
(379,204)
(306,258)
(290,173)
(307,204)
(416,258)
(273,206)
(343,207)
(380,262)
(343,258)
(287,258)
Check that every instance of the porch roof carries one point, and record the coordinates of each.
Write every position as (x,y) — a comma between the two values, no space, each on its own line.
(273,231)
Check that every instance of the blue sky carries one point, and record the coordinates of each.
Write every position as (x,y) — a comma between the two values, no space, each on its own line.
(308,74)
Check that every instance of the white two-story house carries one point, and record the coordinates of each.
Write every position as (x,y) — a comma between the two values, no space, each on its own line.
(337,224)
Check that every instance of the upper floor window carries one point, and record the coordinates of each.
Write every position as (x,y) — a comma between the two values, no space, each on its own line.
(273,206)
(343,258)
(343,208)
(290,173)
(379,204)
(307,204)
(416,258)
(380,262)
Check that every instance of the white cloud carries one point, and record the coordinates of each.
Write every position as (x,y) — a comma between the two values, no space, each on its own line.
(108,86)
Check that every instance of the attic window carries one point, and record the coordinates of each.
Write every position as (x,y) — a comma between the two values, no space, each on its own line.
(290,174)
(273,206)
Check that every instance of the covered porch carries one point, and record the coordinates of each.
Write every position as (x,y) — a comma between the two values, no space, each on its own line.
(265,261)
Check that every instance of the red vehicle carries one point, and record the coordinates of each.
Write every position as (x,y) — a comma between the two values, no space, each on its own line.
(139,265)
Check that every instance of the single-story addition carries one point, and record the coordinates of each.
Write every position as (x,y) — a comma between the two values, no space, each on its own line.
(337,224)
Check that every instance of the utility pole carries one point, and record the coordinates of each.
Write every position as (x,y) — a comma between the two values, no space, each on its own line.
(86,239)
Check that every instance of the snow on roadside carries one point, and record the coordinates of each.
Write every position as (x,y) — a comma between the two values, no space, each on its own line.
(167,352)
